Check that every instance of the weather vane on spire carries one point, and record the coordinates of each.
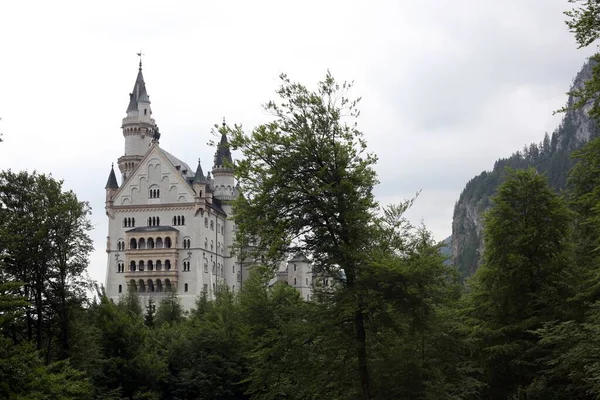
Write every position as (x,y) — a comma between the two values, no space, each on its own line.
(140,54)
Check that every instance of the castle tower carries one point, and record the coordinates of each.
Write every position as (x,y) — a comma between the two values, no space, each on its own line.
(111,188)
(138,127)
(224,181)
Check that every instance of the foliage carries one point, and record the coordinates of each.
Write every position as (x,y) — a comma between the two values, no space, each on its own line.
(523,282)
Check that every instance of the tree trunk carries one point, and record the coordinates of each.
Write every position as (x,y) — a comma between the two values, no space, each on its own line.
(361,341)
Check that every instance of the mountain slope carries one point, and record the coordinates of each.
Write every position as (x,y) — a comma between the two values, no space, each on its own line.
(551,156)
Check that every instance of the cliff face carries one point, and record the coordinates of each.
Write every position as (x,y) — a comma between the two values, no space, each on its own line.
(551,156)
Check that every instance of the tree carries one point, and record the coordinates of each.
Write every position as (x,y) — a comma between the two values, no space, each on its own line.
(44,243)
(584,22)
(524,281)
(307,183)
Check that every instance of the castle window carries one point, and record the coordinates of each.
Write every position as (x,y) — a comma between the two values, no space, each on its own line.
(133,244)
(233,269)
(222,230)
(306,281)
(150,265)
(205,243)
(145,111)
(158,265)
(239,276)
(205,265)
(212,225)
(120,245)
(294,267)
(120,288)
(185,287)
(167,265)
(132,266)
(159,243)
(294,281)
(214,268)
(153,221)
(205,222)
(212,245)
(154,192)
(179,220)
(186,243)
(128,222)
(186,266)
(205,288)
(150,243)
(141,265)
(168,242)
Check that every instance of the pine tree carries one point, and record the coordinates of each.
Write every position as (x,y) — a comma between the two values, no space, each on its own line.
(523,282)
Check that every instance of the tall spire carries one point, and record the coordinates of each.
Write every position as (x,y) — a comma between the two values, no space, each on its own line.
(199,177)
(112,179)
(223,154)
(139,92)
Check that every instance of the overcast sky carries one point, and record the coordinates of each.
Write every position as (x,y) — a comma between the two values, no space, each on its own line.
(447,86)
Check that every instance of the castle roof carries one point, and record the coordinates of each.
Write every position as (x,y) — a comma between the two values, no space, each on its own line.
(223,154)
(139,92)
(199,177)
(112,180)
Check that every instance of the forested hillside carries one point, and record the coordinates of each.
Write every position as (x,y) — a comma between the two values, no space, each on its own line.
(550,156)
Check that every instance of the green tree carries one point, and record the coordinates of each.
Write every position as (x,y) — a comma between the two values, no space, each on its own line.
(169,310)
(307,183)
(584,22)
(44,243)
(523,283)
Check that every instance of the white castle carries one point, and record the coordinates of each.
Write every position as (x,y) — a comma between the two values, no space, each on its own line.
(170,227)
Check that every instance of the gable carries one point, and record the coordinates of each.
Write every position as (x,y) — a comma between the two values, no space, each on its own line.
(154,181)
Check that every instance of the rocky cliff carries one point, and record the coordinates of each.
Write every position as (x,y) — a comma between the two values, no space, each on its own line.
(551,156)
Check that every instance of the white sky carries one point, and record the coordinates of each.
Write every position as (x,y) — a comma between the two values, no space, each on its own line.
(447,86)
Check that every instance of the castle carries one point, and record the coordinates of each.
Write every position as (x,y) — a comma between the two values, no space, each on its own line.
(170,227)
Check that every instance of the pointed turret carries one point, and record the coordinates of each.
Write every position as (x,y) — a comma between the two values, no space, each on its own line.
(139,129)
(199,177)
(139,93)
(111,187)
(112,179)
(223,169)
(223,154)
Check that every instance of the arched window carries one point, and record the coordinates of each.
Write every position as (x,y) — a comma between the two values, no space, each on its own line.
(150,243)
(205,265)
(233,269)
(167,265)
(132,266)
(141,265)
(154,192)
(158,265)
(159,243)
(120,288)
(133,243)
(212,245)
(167,285)
(185,287)
(141,286)
(205,243)
(132,286)
(212,225)
(205,222)
(159,287)
(214,268)
(150,285)
(150,265)
(168,242)
(142,243)
(294,281)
